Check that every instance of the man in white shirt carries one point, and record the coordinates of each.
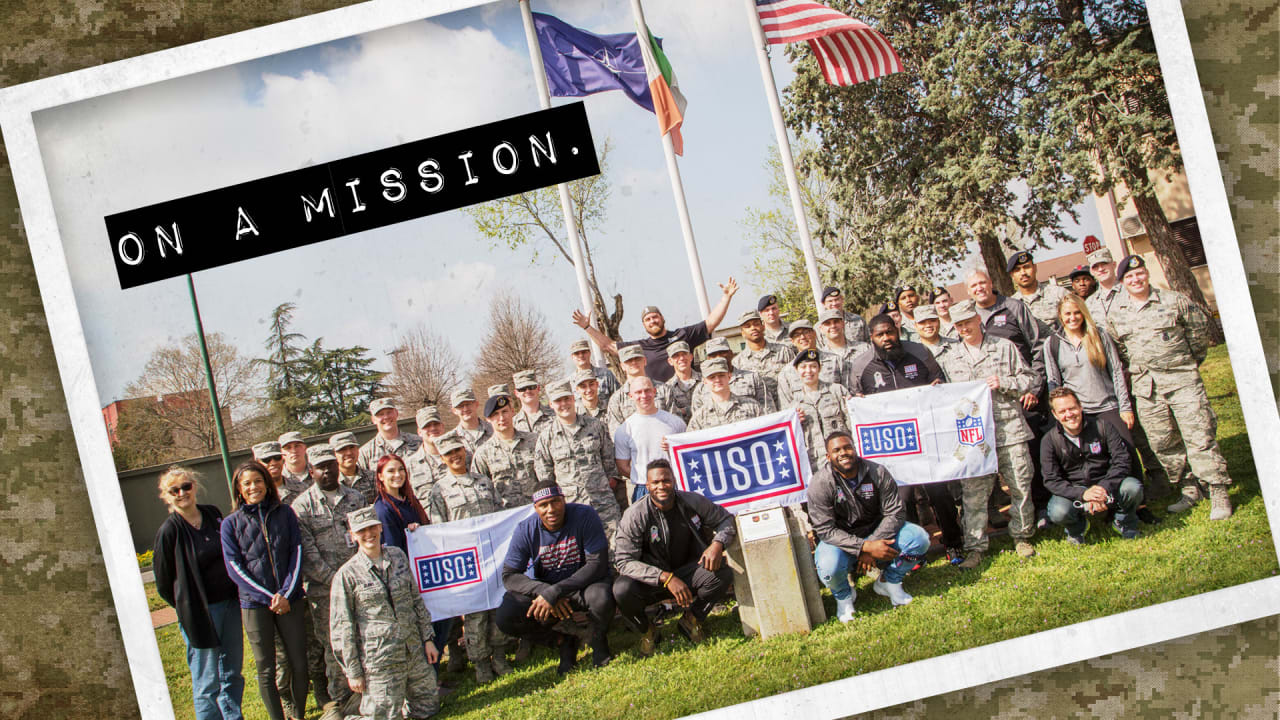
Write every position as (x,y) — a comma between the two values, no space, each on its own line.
(642,437)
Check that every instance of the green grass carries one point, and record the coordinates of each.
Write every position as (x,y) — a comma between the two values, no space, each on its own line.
(953,610)
(154,601)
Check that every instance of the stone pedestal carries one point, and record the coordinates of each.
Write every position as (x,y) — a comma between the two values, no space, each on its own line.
(774,579)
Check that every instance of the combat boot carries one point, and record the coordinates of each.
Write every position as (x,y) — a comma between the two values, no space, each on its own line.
(971,560)
(500,664)
(1190,496)
(484,671)
(649,641)
(1220,502)
(523,651)
(457,658)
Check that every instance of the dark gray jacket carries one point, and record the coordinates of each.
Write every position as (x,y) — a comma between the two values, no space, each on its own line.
(640,546)
(834,511)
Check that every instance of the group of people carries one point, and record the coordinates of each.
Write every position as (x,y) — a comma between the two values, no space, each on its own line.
(315,550)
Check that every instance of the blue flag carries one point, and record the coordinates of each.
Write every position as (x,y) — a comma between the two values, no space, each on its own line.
(579,63)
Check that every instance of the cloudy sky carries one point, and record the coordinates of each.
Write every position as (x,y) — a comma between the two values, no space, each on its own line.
(321,103)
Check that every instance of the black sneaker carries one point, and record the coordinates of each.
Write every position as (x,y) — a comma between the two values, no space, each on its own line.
(568,654)
(1145,515)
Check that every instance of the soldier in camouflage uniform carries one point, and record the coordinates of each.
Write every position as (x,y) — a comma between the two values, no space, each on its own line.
(1163,338)
(822,407)
(425,464)
(929,326)
(322,518)
(834,369)
(389,440)
(940,299)
(907,299)
(347,449)
(834,339)
(506,458)
(380,629)
(576,452)
(855,328)
(459,495)
(1103,269)
(771,317)
(586,387)
(1040,298)
(680,388)
(296,472)
(532,415)
(269,454)
(621,406)
(724,407)
(765,358)
(580,354)
(997,362)
(471,428)
(742,382)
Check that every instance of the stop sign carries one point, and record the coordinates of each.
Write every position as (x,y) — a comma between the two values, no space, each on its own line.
(1092,244)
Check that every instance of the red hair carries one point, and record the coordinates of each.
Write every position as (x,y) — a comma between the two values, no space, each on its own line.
(408,491)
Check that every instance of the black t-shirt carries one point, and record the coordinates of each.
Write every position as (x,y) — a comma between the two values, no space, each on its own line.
(207,543)
(680,543)
(655,349)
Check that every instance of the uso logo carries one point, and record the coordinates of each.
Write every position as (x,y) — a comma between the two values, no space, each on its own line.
(889,439)
(448,570)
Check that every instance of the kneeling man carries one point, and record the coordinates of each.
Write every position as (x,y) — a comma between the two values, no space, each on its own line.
(858,518)
(569,554)
(1086,467)
(662,553)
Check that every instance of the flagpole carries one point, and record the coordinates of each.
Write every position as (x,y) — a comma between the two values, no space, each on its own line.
(213,390)
(784,149)
(566,203)
(673,172)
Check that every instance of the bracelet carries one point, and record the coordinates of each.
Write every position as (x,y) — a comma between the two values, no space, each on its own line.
(669,576)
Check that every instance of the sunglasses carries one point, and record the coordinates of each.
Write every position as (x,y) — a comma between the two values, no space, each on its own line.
(185,487)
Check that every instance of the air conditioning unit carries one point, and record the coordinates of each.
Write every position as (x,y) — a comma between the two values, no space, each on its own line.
(1131,226)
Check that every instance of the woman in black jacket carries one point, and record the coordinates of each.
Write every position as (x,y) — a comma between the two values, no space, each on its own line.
(191,576)
(262,547)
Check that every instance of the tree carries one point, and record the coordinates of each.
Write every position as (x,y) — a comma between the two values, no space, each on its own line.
(142,438)
(517,339)
(424,369)
(284,370)
(338,386)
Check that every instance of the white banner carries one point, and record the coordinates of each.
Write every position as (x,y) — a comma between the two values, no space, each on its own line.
(744,465)
(927,434)
(458,565)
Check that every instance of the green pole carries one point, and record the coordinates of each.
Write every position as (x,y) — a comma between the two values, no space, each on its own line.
(213,391)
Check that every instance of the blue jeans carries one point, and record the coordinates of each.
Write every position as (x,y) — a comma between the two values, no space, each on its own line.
(1062,511)
(833,563)
(638,491)
(217,687)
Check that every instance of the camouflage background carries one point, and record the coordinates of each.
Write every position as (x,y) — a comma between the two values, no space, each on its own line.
(61,654)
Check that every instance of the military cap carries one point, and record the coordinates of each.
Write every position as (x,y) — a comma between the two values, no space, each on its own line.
(342,440)
(266,450)
(292,436)
(448,442)
(578,346)
(963,310)
(713,366)
(499,389)
(678,346)
(582,376)
(937,293)
(830,291)
(828,314)
(1080,270)
(317,454)
(649,309)
(1129,263)
(897,293)
(460,396)
(809,355)
(748,316)
(766,301)
(362,518)
(525,379)
(427,415)
(1102,255)
(379,405)
(559,389)
(800,324)
(630,352)
(1017,259)
(891,306)
(926,312)
(718,345)
(495,403)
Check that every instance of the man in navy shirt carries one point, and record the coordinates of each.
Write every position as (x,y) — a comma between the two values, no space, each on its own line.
(557,577)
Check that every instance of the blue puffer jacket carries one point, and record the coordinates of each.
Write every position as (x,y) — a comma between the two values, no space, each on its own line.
(246,534)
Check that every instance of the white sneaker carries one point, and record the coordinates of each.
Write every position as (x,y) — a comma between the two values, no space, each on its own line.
(893,591)
(844,608)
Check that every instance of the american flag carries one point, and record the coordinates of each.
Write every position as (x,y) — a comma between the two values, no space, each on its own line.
(848,51)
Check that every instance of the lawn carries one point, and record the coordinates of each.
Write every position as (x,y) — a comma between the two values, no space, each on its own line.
(953,610)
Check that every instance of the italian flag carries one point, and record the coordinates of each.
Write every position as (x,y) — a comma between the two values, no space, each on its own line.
(668,102)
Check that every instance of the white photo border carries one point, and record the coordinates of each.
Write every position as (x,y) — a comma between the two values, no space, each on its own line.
(891,686)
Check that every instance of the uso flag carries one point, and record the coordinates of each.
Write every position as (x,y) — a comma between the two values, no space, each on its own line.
(746,465)
(927,434)
(458,565)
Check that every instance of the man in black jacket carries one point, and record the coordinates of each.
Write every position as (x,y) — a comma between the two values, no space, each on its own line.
(661,553)
(566,547)
(1086,467)
(858,518)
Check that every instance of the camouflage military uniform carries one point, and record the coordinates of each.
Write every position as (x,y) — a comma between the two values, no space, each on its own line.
(825,411)
(850,350)
(608,383)
(741,382)
(292,487)
(424,470)
(680,395)
(1043,303)
(364,483)
(402,447)
(715,412)
(509,466)
(1001,358)
(579,457)
(533,424)
(621,407)
(457,497)
(294,484)
(1163,341)
(601,411)
(945,344)
(780,337)
(834,370)
(326,545)
(855,329)
(474,438)
(1101,302)
(768,363)
(379,628)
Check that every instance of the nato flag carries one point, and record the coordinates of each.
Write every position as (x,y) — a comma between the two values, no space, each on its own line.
(579,63)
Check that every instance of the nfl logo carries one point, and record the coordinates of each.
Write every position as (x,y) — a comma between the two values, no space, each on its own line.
(969,430)
(1095,447)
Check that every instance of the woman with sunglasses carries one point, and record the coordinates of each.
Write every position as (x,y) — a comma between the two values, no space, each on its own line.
(191,577)
(262,547)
